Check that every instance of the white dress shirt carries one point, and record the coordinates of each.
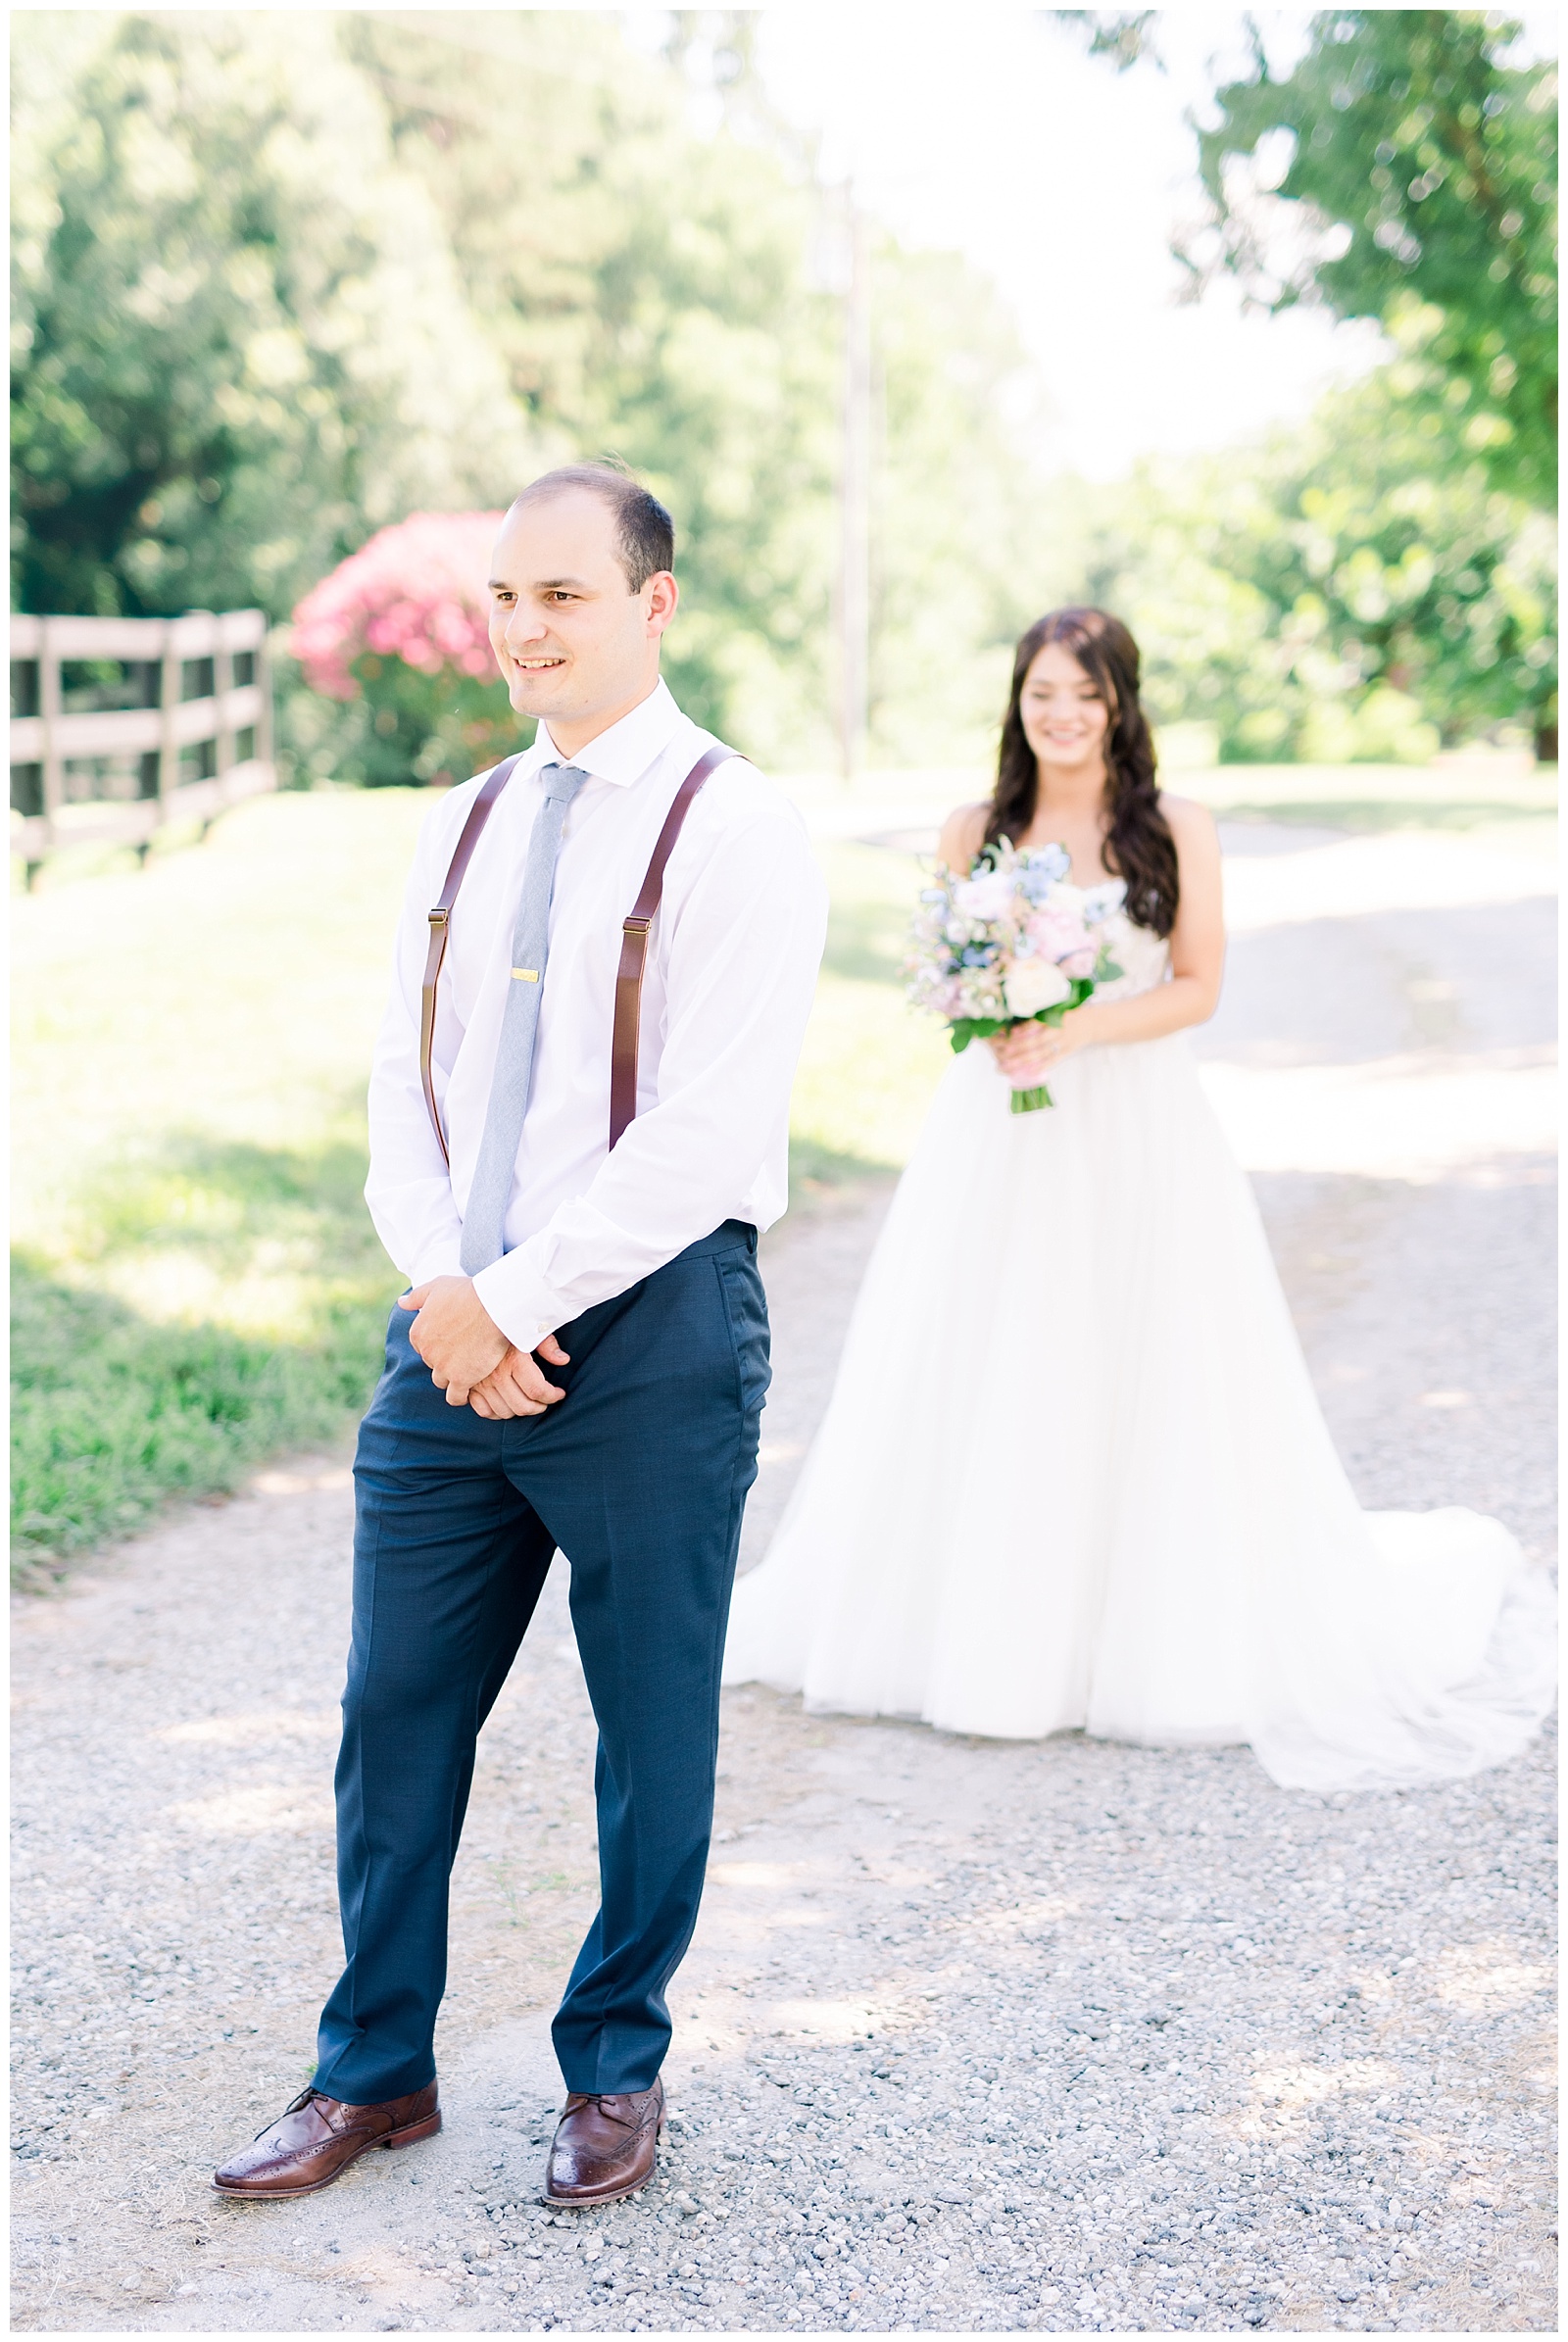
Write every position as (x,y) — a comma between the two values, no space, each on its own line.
(732,964)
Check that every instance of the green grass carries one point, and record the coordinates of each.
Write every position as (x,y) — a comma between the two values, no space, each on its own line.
(114,1408)
(869,1063)
(113,1413)
(196,1283)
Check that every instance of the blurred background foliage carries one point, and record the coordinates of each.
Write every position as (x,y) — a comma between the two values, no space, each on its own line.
(1388,575)
(1354,591)
(1422,169)
(283,278)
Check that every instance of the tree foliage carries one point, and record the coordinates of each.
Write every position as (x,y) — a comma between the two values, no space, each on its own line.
(648,293)
(1421,169)
(239,342)
(1358,589)
(1403,170)
(284,277)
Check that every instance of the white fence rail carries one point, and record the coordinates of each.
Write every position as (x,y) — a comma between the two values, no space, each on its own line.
(120,725)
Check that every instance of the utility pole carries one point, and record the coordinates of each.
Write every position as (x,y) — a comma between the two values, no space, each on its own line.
(855,503)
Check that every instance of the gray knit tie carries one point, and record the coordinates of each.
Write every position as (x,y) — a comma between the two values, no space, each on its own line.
(484,1221)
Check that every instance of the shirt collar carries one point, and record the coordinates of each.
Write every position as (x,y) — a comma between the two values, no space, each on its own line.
(623,753)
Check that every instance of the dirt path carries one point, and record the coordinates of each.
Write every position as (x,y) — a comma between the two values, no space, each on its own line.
(1064,2036)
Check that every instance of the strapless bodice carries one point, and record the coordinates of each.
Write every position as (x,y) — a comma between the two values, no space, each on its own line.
(1142,956)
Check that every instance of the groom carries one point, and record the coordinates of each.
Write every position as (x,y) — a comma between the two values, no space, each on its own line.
(582,1358)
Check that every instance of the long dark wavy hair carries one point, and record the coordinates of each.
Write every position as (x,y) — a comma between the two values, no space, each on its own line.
(1139,845)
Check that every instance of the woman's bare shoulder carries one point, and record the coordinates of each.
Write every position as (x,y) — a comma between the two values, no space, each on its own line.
(1191,823)
(962,834)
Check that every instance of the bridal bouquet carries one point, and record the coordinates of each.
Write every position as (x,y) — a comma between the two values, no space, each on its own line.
(1013,944)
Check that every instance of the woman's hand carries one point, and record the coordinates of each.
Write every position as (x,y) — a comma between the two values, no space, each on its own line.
(1026,1053)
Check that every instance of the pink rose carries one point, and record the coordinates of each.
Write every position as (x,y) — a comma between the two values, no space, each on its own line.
(1057,933)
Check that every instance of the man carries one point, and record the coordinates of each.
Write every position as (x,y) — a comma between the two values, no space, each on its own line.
(583,1355)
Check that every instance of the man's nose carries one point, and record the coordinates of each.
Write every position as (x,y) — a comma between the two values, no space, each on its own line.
(523,626)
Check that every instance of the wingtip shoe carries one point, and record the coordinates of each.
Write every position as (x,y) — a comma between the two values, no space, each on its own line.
(604,2147)
(314,2141)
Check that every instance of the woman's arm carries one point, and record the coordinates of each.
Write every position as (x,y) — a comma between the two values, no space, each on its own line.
(1196,965)
(962,834)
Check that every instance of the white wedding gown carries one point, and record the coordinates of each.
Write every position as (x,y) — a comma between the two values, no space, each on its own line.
(1074,1473)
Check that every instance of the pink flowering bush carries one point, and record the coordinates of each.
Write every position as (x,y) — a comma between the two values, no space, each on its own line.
(398,631)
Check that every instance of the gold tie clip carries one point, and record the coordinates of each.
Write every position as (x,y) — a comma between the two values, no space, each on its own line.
(526,975)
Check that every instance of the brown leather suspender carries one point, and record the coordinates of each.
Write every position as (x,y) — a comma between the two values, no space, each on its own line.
(441,927)
(633,942)
(634,947)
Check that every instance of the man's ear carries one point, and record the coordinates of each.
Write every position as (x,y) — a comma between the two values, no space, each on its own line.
(663,597)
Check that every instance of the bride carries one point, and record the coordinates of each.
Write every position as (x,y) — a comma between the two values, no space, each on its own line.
(1074,1473)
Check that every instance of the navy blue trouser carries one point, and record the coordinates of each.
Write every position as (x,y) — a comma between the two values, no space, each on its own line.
(639,1474)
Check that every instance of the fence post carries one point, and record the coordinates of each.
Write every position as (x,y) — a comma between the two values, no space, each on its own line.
(223,684)
(54,778)
(168,741)
(264,681)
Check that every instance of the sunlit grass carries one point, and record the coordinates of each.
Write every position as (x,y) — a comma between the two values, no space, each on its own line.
(1379,796)
(198,1284)
(112,1412)
(197,1280)
(869,1063)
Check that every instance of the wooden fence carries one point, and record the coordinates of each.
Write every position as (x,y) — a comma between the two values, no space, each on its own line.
(120,725)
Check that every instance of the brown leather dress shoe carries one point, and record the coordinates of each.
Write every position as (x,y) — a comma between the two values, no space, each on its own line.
(604,2147)
(316,2138)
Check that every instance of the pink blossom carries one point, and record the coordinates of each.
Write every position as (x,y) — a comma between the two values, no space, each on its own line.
(1057,932)
(1079,963)
(415,592)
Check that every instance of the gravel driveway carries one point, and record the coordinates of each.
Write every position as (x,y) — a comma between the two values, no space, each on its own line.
(977,2036)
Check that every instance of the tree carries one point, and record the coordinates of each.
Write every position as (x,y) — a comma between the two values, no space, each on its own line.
(284,277)
(1403,170)
(1387,575)
(239,342)
(1393,564)
(654,295)
(956,509)
(648,294)
(1354,589)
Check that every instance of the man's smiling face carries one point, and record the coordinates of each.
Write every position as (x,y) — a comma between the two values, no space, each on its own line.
(573,642)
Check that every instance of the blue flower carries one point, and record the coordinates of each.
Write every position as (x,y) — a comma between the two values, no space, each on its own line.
(1041,869)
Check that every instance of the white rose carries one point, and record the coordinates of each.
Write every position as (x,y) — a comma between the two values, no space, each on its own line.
(1033,985)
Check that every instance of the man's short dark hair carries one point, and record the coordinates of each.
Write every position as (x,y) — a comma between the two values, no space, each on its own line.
(645,533)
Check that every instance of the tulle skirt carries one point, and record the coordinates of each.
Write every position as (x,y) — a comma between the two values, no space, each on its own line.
(1074,1473)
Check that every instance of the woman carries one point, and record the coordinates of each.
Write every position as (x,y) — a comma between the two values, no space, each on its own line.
(1074,1473)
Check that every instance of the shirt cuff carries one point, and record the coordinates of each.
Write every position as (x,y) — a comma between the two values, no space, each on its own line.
(441,1260)
(519,1299)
